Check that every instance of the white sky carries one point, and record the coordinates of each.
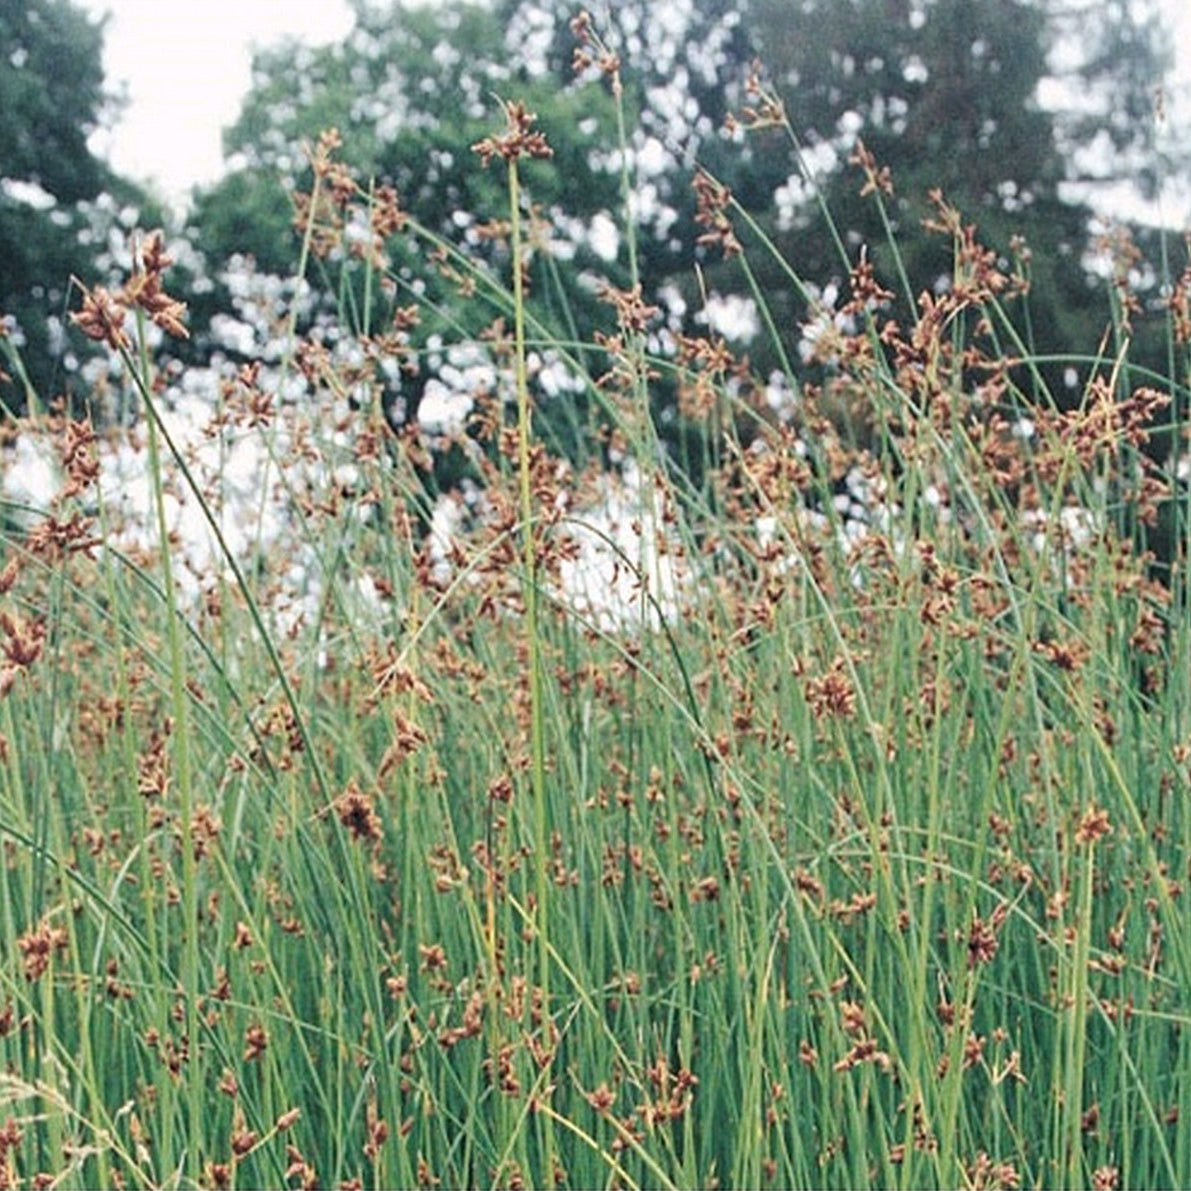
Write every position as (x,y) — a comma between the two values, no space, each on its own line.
(186,67)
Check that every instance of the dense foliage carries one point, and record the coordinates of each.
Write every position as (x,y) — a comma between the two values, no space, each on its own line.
(57,200)
(711,774)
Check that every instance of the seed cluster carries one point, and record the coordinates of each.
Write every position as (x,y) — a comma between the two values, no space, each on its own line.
(865,804)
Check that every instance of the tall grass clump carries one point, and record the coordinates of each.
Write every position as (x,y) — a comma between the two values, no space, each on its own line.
(814,817)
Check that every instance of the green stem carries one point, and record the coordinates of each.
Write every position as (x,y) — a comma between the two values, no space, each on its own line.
(537,743)
(181,711)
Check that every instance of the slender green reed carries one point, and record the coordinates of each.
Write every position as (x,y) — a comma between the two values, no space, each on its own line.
(839,839)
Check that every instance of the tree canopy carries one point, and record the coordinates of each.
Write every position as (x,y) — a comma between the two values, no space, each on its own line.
(948,96)
(945,93)
(56,196)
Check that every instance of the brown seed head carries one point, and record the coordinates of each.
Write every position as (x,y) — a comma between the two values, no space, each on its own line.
(518,140)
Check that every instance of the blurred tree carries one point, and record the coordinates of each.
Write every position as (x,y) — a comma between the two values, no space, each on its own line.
(53,98)
(987,102)
(677,57)
(1022,112)
(1003,106)
(410,91)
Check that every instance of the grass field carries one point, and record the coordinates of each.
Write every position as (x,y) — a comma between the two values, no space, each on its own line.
(818,821)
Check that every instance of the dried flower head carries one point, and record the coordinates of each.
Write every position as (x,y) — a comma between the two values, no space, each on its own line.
(358,814)
(1093,825)
(833,694)
(102,318)
(37,948)
(877,179)
(712,200)
(144,289)
(76,448)
(256,1042)
(520,139)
